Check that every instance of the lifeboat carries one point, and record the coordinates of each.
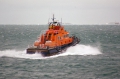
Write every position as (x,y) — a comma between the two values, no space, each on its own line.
(53,41)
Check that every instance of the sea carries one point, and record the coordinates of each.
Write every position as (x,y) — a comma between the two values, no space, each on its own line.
(97,56)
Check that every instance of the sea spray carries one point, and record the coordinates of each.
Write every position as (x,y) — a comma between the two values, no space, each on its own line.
(19,54)
(73,50)
(83,50)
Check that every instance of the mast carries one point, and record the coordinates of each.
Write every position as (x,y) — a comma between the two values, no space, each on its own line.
(53,18)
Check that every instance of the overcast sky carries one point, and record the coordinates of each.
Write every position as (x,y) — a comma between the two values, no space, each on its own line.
(71,11)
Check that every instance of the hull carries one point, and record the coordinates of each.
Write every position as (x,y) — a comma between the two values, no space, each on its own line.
(52,51)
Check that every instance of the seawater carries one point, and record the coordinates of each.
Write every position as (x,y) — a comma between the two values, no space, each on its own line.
(97,56)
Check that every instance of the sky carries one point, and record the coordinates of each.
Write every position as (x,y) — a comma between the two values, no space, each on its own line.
(71,11)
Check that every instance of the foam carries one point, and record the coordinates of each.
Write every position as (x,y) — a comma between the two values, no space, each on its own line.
(79,49)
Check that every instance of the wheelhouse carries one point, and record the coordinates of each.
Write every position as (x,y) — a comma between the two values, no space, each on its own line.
(54,25)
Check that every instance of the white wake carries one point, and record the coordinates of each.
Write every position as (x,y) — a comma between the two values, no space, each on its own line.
(75,50)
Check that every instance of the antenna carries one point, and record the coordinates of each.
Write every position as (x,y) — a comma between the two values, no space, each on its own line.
(48,20)
(53,18)
(61,20)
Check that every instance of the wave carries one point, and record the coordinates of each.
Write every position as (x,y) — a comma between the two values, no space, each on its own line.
(74,50)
